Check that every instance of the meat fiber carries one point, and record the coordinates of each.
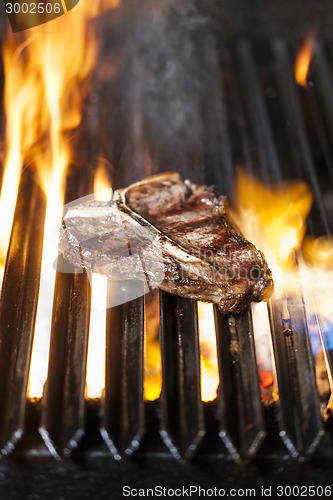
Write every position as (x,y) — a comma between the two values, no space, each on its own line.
(168,233)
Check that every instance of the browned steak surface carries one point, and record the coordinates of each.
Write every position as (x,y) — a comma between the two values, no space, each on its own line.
(196,218)
(200,254)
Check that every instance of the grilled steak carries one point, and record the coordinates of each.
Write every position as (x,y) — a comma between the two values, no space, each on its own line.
(170,233)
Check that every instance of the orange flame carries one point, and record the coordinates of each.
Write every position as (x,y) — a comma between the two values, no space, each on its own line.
(102,183)
(319,251)
(51,72)
(274,219)
(303,60)
(22,93)
(152,349)
(208,353)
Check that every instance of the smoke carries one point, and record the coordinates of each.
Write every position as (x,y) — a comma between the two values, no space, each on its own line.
(161,105)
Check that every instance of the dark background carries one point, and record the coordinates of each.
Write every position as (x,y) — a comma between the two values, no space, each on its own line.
(285,18)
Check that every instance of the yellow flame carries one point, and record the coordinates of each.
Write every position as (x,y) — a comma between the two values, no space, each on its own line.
(153,370)
(59,57)
(102,189)
(95,375)
(316,270)
(319,251)
(316,273)
(273,219)
(261,329)
(40,349)
(303,60)
(152,351)
(21,96)
(208,354)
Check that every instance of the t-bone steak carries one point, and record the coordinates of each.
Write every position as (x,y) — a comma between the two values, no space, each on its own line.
(171,233)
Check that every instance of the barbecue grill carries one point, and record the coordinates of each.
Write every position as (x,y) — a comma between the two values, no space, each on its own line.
(66,446)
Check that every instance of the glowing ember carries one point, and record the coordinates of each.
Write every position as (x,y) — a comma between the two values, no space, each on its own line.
(303,60)
(208,355)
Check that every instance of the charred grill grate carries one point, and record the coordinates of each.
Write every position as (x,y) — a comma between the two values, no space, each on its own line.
(276,130)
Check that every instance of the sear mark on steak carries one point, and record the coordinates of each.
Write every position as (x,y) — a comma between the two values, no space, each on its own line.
(181,234)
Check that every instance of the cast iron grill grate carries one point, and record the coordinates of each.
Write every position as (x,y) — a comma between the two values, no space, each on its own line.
(275,130)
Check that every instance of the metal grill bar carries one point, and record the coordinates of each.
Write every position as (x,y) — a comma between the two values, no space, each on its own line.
(301,436)
(256,112)
(243,151)
(123,422)
(321,105)
(302,113)
(242,427)
(311,425)
(315,119)
(18,308)
(301,424)
(328,353)
(219,167)
(298,140)
(323,91)
(63,405)
(182,426)
(62,422)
